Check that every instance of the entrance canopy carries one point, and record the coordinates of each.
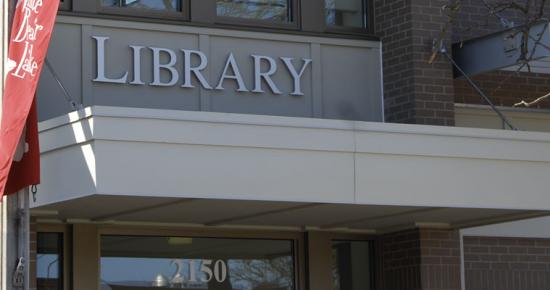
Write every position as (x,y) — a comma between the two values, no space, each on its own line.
(116,164)
(270,214)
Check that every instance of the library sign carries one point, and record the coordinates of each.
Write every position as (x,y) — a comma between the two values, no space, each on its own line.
(164,62)
(165,67)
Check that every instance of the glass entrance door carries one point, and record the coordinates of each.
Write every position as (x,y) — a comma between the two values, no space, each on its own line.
(153,262)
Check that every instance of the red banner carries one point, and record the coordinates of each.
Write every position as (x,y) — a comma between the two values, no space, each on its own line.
(32,27)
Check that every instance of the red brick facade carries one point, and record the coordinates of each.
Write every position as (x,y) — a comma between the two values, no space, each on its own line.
(415,91)
(419,259)
(506,263)
(393,25)
(505,88)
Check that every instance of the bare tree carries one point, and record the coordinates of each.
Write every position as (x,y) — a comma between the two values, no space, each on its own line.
(521,16)
(274,273)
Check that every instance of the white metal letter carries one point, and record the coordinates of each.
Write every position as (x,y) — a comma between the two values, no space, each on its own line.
(236,75)
(192,271)
(295,75)
(220,271)
(258,74)
(195,70)
(137,65)
(168,66)
(100,40)
(205,268)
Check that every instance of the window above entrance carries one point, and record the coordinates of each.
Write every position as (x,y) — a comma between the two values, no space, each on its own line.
(64,5)
(289,16)
(269,10)
(165,5)
(161,9)
(346,13)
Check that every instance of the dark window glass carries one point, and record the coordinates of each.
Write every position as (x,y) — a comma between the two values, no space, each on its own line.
(139,262)
(271,10)
(64,4)
(352,265)
(162,5)
(49,261)
(346,13)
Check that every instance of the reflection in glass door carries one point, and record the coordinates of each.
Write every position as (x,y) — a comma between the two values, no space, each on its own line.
(352,267)
(146,262)
(49,261)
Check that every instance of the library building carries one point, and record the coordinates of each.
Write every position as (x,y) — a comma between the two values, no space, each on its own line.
(292,145)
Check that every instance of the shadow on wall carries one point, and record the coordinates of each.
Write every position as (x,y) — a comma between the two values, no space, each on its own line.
(348,111)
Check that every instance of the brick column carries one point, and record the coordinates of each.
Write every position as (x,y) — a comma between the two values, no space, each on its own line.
(419,259)
(415,91)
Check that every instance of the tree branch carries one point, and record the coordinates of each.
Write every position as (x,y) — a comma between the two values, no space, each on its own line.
(532,103)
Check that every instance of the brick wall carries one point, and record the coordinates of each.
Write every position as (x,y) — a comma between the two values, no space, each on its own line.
(440,251)
(505,88)
(393,25)
(493,263)
(399,261)
(415,91)
(419,259)
(433,87)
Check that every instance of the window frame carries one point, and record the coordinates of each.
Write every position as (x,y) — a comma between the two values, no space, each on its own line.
(308,18)
(147,13)
(368,21)
(297,239)
(350,237)
(66,242)
(294,24)
(65,5)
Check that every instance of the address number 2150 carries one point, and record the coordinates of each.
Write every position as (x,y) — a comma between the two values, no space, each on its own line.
(208,268)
